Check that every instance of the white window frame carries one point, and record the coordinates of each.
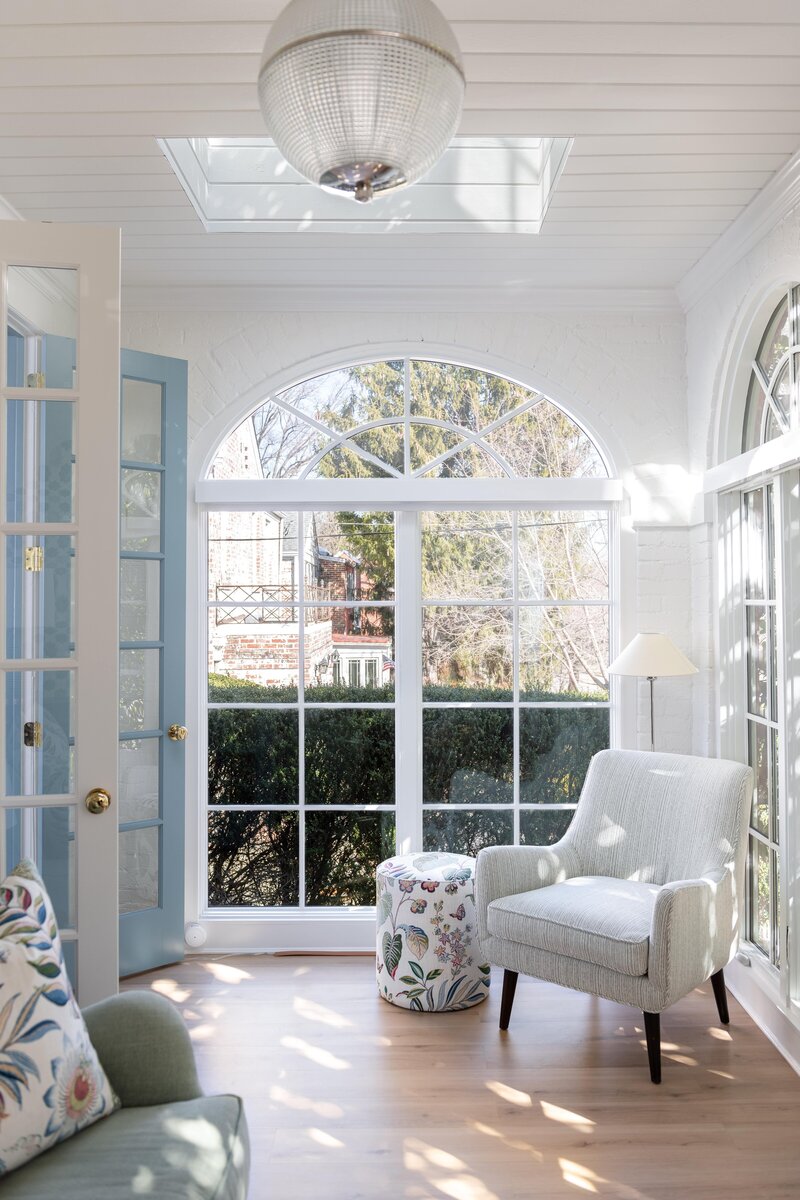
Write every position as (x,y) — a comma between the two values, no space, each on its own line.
(781,984)
(542,494)
(353,929)
(775,462)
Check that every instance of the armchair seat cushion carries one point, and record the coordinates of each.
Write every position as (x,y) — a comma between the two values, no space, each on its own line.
(190,1150)
(594,919)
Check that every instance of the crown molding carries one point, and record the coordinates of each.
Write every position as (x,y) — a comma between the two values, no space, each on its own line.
(340,298)
(764,212)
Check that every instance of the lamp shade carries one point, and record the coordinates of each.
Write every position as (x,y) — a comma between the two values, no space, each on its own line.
(652,654)
(361,96)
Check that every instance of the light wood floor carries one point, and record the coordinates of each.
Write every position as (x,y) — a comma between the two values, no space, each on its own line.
(348,1098)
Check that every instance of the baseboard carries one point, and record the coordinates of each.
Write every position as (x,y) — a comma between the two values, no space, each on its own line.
(773,1023)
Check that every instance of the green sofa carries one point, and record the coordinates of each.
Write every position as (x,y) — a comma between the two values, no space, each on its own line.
(168,1141)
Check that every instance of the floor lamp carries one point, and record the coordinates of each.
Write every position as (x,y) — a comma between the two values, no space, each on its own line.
(649,656)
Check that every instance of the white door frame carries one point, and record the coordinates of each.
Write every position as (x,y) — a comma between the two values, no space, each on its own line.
(95,254)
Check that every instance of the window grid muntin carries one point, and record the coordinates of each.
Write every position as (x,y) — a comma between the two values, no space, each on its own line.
(516,704)
(301,705)
(469,438)
(771,721)
(517,808)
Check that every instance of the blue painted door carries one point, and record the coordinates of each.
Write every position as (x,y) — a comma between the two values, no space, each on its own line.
(152,660)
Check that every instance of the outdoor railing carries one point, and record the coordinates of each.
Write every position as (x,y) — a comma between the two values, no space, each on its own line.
(274,603)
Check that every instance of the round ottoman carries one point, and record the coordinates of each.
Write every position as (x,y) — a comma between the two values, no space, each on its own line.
(428,956)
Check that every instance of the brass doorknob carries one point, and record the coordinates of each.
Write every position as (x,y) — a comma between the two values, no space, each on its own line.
(97,801)
(177,733)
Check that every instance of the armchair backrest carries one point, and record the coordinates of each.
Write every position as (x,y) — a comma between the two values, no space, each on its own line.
(661,817)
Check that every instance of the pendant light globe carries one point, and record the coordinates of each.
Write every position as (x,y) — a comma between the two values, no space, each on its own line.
(361,96)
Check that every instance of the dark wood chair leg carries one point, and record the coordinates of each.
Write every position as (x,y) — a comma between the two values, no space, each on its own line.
(721,996)
(509,987)
(652,1029)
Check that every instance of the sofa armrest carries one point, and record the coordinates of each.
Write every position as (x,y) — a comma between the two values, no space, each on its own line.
(145,1049)
(506,870)
(694,932)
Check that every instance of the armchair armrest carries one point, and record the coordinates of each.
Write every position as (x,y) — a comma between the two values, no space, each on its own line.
(507,870)
(145,1049)
(694,932)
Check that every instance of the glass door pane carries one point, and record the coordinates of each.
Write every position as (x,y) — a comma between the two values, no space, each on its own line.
(152,637)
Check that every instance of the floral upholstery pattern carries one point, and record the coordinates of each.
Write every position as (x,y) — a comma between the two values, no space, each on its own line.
(51,1080)
(428,957)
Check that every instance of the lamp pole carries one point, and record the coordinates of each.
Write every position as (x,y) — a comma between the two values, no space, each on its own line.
(651,680)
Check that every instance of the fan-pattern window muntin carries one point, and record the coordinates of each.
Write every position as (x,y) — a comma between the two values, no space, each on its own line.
(772,406)
(475,420)
(522,781)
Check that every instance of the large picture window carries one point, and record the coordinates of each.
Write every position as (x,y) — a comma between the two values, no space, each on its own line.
(411,672)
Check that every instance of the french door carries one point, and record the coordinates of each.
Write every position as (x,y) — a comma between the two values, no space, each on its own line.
(59,432)
(152,732)
(429,675)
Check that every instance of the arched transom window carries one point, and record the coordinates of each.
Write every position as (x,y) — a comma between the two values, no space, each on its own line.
(772,407)
(407,417)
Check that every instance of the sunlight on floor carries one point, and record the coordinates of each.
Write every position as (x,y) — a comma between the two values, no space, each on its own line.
(312,1011)
(171,989)
(574,1120)
(322,1108)
(683,1059)
(586,1179)
(511,1143)
(670,1050)
(315,1054)
(322,1138)
(326,1087)
(511,1095)
(428,1160)
(225,973)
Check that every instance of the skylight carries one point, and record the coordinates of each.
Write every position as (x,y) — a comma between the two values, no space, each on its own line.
(485,185)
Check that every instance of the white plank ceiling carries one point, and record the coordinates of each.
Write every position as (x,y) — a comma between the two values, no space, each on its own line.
(681,113)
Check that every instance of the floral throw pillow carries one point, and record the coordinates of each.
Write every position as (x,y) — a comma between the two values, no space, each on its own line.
(51,1082)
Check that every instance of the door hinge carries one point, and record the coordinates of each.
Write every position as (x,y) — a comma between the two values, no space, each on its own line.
(34,558)
(32,735)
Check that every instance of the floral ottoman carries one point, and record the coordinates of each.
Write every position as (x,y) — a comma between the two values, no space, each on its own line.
(428,956)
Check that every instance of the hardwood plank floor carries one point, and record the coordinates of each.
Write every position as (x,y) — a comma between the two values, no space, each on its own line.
(348,1098)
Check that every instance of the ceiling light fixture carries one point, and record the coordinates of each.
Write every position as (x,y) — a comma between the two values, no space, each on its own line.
(361,96)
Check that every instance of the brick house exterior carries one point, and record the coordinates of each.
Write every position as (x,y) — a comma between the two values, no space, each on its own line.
(253,583)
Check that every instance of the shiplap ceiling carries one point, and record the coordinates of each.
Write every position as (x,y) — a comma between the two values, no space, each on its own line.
(681,113)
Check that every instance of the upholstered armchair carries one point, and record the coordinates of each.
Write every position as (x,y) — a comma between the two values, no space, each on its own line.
(641,899)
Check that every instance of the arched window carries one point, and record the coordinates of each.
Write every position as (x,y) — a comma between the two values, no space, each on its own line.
(772,406)
(409,603)
(759,514)
(407,418)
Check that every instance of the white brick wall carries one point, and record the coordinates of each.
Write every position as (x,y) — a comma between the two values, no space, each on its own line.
(622,374)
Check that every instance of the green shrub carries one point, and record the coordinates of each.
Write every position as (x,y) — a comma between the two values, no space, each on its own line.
(253,758)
